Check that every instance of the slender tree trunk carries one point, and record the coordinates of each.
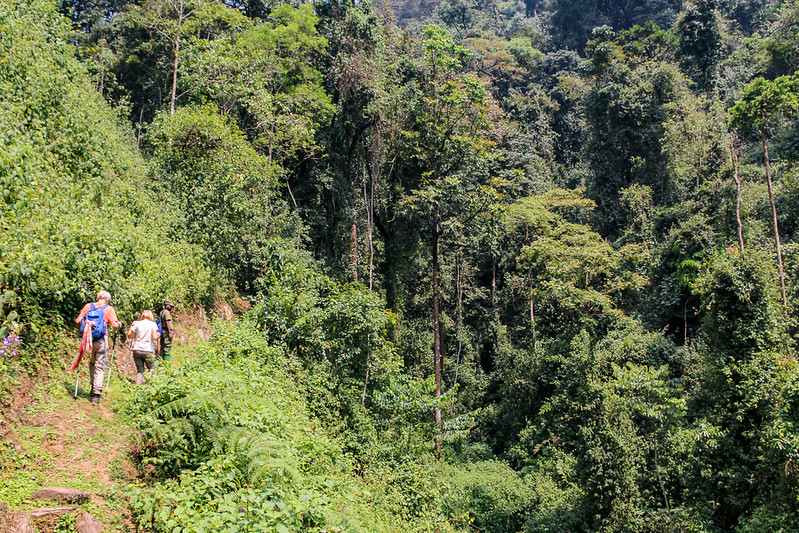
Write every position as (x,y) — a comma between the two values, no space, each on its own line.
(662,486)
(774,218)
(685,322)
(735,168)
(180,9)
(138,128)
(175,71)
(368,199)
(437,323)
(365,383)
(459,290)
(354,250)
(366,379)
(493,280)
(532,312)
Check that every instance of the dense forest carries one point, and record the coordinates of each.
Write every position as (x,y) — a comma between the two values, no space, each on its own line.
(513,265)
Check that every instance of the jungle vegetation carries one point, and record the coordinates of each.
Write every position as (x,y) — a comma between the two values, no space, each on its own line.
(515,265)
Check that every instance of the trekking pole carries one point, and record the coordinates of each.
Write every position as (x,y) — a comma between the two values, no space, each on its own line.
(111,362)
(77,379)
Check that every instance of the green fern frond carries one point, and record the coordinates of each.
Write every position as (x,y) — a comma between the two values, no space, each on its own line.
(196,403)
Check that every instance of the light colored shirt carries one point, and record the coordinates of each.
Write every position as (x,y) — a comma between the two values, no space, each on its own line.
(144,335)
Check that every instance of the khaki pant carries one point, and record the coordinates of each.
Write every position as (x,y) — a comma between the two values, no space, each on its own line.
(97,364)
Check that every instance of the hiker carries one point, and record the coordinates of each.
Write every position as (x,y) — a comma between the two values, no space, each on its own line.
(98,316)
(144,334)
(165,321)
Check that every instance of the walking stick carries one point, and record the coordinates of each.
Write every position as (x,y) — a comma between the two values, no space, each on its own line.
(111,362)
(77,379)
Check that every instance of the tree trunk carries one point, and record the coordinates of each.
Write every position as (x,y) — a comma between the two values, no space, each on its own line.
(354,250)
(101,78)
(493,280)
(138,128)
(175,70)
(388,266)
(437,323)
(366,379)
(532,313)
(662,486)
(774,219)
(459,291)
(368,199)
(685,322)
(736,175)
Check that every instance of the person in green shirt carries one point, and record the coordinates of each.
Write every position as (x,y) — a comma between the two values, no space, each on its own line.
(166,330)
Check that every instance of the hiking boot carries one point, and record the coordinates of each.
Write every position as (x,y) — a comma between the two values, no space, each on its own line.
(95,399)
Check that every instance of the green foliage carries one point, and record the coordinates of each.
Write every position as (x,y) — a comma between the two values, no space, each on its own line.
(234,447)
(231,418)
(700,49)
(627,111)
(574,278)
(77,212)
(405,407)
(553,224)
(264,78)
(574,21)
(763,103)
(222,186)
(65,524)
(739,291)
(344,325)
(487,495)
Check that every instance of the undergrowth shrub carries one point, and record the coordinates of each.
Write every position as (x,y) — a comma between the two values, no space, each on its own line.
(76,208)
(234,447)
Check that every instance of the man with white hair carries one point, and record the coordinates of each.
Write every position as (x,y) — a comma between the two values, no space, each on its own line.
(98,316)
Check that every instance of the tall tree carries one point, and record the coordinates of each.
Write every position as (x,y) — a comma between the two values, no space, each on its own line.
(700,42)
(447,142)
(759,108)
(168,18)
(627,111)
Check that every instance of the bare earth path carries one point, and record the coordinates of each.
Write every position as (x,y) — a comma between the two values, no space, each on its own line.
(47,438)
(51,439)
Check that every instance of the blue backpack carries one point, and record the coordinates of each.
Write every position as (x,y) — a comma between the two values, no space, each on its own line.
(158,323)
(96,315)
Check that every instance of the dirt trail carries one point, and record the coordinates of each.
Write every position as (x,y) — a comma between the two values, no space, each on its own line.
(47,438)
(55,440)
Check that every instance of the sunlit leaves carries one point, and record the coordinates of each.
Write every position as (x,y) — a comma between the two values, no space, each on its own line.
(77,213)
(763,102)
(267,73)
(570,265)
(222,186)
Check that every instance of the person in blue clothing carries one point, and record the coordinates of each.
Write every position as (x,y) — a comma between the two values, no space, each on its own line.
(98,316)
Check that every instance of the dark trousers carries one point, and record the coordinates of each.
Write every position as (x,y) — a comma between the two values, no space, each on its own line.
(166,342)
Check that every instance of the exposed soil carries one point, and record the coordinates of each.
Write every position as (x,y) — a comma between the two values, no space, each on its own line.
(47,438)
(55,440)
